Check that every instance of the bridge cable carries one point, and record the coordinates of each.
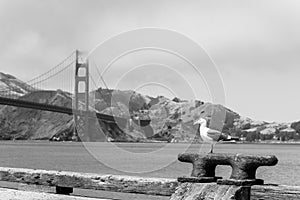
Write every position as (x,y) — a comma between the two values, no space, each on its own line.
(112,99)
(52,69)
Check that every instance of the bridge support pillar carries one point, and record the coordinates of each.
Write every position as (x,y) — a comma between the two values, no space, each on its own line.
(81,101)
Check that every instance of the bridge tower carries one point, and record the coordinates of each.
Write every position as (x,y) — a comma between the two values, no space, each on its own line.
(81,101)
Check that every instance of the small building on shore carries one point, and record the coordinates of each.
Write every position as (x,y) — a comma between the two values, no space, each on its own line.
(288,134)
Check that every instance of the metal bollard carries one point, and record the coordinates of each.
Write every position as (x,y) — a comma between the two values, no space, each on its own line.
(243,167)
(203,184)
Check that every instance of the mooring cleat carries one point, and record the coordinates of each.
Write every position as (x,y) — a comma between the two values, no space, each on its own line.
(243,167)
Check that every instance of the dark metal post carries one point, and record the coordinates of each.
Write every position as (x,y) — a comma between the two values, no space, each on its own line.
(63,190)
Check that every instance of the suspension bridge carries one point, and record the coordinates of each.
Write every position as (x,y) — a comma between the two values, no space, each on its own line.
(72,76)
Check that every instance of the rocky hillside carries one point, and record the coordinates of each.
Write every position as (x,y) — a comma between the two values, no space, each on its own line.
(251,130)
(11,86)
(20,123)
(171,120)
(176,114)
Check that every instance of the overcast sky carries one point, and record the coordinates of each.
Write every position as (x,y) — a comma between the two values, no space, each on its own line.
(255,45)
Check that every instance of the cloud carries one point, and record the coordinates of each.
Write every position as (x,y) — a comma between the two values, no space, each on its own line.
(25,44)
(246,39)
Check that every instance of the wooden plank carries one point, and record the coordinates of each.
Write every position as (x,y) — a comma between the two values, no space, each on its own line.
(82,192)
(115,183)
(127,184)
(209,191)
(9,194)
(271,192)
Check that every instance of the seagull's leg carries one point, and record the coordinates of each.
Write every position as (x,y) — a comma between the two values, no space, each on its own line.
(212,148)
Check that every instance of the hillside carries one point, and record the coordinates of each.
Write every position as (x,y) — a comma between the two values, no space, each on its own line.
(21,123)
(163,112)
(171,120)
(13,85)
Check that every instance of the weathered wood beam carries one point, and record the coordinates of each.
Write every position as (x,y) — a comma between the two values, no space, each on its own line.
(115,183)
(9,194)
(129,184)
(208,191)
(273,192)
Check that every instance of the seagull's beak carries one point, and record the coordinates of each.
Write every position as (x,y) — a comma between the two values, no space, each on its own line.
(196,122)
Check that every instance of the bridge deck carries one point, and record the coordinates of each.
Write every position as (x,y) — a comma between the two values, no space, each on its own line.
(65,110)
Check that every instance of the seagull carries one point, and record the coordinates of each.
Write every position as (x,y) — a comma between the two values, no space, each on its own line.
(212,136)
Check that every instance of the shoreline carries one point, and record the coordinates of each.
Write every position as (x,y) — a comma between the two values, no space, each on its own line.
(157,142)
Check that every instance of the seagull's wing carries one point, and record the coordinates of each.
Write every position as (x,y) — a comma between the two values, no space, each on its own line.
(224,136)
(214,134)
(227,137)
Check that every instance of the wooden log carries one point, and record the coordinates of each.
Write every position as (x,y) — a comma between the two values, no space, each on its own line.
(128,184)
(115,183)
(273,192)
(263,192)
(209,191)
(12,194)
(243,166)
